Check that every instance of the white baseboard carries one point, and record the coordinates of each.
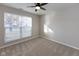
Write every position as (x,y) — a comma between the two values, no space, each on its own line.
(36,36)
(60,42)
(19,41)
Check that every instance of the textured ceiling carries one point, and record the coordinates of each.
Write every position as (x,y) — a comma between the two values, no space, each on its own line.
(50,7)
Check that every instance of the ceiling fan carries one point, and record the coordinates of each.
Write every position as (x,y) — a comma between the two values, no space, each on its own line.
(38,6)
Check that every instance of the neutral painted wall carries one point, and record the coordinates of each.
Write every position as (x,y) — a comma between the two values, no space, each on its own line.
(35,19)
(63,26)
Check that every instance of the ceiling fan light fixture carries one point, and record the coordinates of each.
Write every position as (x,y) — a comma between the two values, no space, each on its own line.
(37,7)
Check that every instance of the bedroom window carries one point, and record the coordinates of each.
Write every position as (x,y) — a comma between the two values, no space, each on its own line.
(17,27)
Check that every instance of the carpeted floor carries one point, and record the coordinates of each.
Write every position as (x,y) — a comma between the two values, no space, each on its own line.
(38,47)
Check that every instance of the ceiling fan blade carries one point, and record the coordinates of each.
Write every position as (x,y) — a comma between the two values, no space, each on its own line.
(42,8)
(35,4)
(31,6)
(42,4)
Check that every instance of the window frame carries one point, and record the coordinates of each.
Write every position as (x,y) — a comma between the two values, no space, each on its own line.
(20,29)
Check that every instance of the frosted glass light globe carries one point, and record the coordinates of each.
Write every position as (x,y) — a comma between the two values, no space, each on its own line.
(37,7)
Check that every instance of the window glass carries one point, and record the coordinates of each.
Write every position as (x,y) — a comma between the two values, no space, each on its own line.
(17,26)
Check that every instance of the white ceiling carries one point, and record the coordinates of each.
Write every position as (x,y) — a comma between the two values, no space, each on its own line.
(50,7)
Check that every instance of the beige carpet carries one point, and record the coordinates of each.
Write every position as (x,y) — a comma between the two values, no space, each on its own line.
(38,47)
